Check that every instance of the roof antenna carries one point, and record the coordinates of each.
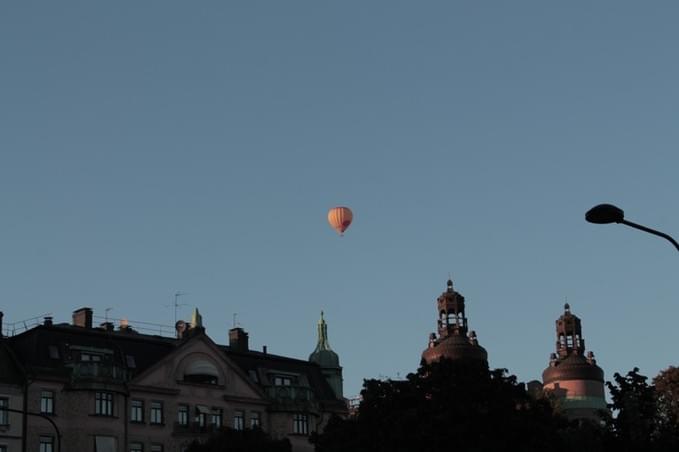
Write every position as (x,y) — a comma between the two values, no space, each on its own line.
(235,323)
(176,304)
(106,314)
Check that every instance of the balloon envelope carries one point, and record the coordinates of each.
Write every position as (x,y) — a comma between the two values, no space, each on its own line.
(340,218)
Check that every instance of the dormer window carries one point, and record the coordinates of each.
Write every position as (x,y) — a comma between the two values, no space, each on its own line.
(201,371)
(90,357)
(282,380)
(53,351)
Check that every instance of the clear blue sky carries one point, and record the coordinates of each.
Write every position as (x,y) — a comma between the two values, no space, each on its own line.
(154,147)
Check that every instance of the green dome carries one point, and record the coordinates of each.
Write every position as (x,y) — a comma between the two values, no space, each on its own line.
(323,355)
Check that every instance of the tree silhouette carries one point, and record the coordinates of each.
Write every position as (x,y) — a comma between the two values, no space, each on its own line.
(667,394)
(447,405)
(643,418)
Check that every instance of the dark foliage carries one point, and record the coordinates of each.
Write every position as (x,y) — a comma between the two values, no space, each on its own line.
(248,440)
(447,406)
(667,393)
(644,420)
(462,407)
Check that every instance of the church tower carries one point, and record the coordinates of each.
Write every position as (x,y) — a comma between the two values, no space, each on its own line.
(453,341)
(573,377)
(327,359)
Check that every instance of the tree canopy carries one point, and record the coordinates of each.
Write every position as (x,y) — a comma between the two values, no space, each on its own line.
(466,407)
(448,404)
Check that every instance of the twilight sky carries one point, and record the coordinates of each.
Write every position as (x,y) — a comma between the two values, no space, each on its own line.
(161,146)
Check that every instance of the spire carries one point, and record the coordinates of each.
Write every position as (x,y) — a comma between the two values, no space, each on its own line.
(196,319)
(323,354)
(323,343)
(327,359)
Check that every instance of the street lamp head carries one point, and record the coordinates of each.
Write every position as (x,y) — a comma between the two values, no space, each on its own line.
(605,214)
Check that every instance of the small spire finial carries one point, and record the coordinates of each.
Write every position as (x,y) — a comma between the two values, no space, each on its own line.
(196,319)
(322,335)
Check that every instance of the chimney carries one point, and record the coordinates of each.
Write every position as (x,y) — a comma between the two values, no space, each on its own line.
(264,349)
(107,326)
(238,339)
(1,316)
(48,321)
(83,318)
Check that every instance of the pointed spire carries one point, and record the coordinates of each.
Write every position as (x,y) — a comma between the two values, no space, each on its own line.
(196,319)
(323,343)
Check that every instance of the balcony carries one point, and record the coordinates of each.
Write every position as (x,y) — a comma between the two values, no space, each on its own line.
(285,397)
(95,374)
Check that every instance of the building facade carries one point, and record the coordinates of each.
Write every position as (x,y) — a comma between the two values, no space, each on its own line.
(114,389)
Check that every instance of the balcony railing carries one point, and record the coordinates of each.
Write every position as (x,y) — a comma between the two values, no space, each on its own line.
(287,394)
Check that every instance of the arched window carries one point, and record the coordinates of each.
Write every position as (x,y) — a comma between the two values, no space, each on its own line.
(201,371)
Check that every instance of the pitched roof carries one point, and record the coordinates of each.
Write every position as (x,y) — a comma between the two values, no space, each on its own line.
(32,349)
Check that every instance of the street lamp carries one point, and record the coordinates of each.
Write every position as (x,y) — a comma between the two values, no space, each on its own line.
(608,213)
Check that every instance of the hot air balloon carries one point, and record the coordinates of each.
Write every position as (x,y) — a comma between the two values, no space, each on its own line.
(340,218)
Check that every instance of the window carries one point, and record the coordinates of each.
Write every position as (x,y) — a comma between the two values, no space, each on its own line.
(137,411)
(216,417)
(156,416)
(3,448)
(202,413)
(4,415)
(131,363)
(47,402)
(280,380)
(105,444)
(183,415)
(238,420)
(156,448)
(53,352)
(103,404)
(46,444)
(300,424)
(255,420)
(84,356)
(201,371)
(136,447)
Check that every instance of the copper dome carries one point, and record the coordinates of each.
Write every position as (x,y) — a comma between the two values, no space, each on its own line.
(574,367)
(455,347)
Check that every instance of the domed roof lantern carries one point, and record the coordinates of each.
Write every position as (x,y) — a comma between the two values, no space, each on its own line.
(454,340)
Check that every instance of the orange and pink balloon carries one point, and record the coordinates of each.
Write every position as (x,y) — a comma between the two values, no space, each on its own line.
(340,218)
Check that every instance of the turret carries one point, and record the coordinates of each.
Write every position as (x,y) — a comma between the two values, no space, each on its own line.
(454,341)
(327,359)
(573,377)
